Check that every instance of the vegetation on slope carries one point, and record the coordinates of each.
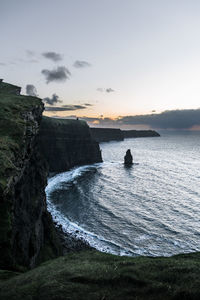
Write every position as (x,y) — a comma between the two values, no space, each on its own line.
(12,126)
(94,275)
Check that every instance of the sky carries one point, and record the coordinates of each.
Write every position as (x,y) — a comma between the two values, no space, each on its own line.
(116,63)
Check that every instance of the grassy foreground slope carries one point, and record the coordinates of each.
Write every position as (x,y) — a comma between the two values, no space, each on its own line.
(95,275)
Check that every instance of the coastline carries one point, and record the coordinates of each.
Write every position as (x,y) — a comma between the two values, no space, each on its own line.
(70,241)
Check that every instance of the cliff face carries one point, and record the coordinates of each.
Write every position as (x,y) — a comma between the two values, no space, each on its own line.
(140,133)
(24,219)
(106,134)
(67,143)
(112,134)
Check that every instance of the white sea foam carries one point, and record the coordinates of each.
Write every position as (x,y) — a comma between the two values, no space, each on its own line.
(151,208)
(94,240)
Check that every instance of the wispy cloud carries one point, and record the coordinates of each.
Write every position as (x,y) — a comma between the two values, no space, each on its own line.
(171,119)
(30,53)
(53,100)
(59,74)
(31,90)
(105,90)
(52,56)
(32,57)
(184,119)
(2,64)
(81,64)
(65,108)
(109,90)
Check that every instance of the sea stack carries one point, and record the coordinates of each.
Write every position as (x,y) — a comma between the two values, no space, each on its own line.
(128,159)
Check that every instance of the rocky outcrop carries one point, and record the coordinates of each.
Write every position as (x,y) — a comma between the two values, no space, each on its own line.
(106,134)
(128,159)
(27,232)
(139,133)
(66,143)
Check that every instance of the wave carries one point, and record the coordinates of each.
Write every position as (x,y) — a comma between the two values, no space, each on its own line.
(100,243)
(149,209)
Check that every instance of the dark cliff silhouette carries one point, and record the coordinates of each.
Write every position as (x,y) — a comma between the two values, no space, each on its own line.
(128,158)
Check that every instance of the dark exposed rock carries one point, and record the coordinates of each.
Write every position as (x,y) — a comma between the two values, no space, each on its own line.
(139,133)
(71,242)
(27,232)
(106,134)
(67,143)
(113,134)
(128,159)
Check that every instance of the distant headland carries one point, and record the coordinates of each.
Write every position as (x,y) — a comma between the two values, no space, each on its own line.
(114,134)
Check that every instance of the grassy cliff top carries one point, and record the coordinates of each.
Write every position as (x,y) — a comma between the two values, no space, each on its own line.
(70,127)
(94,275)
(12,127)
(8,88)
(58,122)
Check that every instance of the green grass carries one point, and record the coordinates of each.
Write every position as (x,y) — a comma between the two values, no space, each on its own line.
(88,274)
(12,127)
(57,121)
(95,275)
(12,150)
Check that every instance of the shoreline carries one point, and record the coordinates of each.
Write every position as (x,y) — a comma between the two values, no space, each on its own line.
(70,241)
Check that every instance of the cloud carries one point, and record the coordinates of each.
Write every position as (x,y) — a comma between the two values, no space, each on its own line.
(53,100)
(33,61)
(107,90)
(30,53)
(31,90)
(170,119)
(2,64)
(31,57)
(59,74)
(81,64)
(88,104)
(65,108)
(184,119)
(52,56)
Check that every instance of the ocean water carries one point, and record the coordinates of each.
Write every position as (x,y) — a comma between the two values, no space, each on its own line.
(151,208)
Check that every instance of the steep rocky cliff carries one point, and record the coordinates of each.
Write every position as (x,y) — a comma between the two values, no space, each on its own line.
(113,134)
(67,143)
(139,133)
(27,233)
(106,134)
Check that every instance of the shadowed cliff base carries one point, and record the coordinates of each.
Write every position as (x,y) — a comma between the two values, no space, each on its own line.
(94,275)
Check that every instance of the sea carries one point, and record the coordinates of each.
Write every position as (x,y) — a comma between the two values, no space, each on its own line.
(151,208)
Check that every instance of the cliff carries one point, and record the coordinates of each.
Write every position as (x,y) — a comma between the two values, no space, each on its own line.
(27,233)
(106,134)
(67,143)
(28,236)
(113,134)
(140,133)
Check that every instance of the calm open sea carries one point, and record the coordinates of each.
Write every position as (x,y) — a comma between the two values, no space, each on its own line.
(151,208)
